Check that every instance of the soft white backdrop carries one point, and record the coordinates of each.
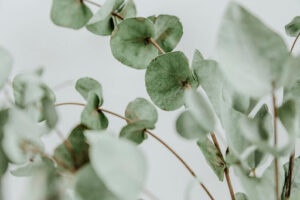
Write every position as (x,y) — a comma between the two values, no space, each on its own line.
(27,32)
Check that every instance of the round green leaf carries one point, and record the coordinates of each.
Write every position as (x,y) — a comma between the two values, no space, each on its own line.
(85,86)
(167,77)
(129,42)
(293,28)
(188,127)
(135,131)
(101,23)
(119,164)
(141,109)
(240,196)
(5,65)
(91,116)
(88,186)
(168,31)
(70,13)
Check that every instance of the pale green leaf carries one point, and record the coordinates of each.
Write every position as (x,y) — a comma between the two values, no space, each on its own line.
(168,32)
(91,116)
(188,127)
(141,109)
(135,131)
(201,109)
(86,85)
(70,13)
(293,28)
(213,157)
(129,42)
(240,196)
(251,55)
(288,115)
(5,65)
(119,164)
(127,11)
(167,78)
(88,186)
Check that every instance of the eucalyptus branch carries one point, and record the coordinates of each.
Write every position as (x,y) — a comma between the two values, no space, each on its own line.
(152,135)
(275,141)
(122,18)
(226,170)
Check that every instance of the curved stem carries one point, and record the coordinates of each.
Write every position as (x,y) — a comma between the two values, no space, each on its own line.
(122,18)
(152,135)
(294,43)
(226,170)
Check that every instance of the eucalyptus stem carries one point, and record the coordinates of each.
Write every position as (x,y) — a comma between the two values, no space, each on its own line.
(292,157)
(122,18)
(275,141)
(152,135)
(226,170)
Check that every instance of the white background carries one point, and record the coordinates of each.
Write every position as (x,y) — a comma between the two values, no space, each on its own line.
(27,32)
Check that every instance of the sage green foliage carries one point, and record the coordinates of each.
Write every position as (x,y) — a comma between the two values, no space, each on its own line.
(258,64)
(167,78)
(213,157)
(293,28)
(129,42)
(127,10)
(117,163)
(5,65)
(135,131)
(289,116)
(92,116)
(70,13)
(188,127)
(74,151)
(168,31)
(88,186)
(102,23)
(141,109)
(240,196)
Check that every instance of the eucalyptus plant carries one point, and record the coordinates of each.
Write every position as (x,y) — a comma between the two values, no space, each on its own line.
(223,97)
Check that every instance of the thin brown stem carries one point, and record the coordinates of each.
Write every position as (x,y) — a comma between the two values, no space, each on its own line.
(253,172)
(226,170)
(152,135)
(290,176)
(294,43)
(156,46)
(275,141)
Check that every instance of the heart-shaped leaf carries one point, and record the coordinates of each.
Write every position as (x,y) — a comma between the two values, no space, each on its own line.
(130,42)
(70,13)
(135,131)
(167,77)
(118,163)
(293,28)
(141,109)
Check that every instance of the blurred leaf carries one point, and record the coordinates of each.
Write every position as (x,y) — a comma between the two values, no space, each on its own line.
(101,23)
(201,109)
(86,85)
(240,196)
(118,163)
(5,66)
(88,186)
(74,152)
(91,116)
(141,109)
(167,77)
(70,13)
(168,31)
(135,131)
(293,28)
(288,115)
(213,157)
(261,188)
(129,42)
(188,127)
(251,55)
